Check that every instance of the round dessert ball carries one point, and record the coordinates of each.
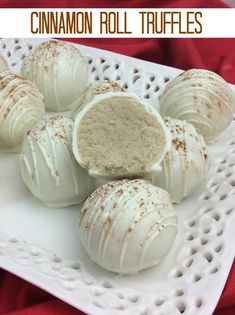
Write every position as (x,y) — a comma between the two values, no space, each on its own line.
(48,166)
(21,107)
(3,64)
(94,89)
(202,98)
(185,166)
(127,226)
(118,135)
(59,71)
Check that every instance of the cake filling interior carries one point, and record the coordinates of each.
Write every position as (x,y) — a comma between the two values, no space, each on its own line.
(118,136)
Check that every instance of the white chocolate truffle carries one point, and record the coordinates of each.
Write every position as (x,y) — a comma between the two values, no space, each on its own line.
(60,73)
(48,166)
(202,98)
(97,88)
(185,167)
(118,135)
(21,107)
(3,64)
(127,226)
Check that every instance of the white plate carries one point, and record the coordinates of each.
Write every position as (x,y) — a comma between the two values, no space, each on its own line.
(42,245)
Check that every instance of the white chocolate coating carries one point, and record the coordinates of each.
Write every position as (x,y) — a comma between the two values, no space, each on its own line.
(48,166)
(3,64)
(21,107)
(97,88)
(185,167)
(106,132)
(201,97)
(127,226)
(60,73)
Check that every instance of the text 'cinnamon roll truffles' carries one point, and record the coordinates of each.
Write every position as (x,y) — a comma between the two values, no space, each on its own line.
(97,88)
(118,135)
(127,226)
(201,97)
(185,166)
(21,107)
(59,71)
(3,64)
(48,166)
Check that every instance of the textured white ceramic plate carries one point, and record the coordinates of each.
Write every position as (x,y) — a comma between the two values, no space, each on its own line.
(42,246)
